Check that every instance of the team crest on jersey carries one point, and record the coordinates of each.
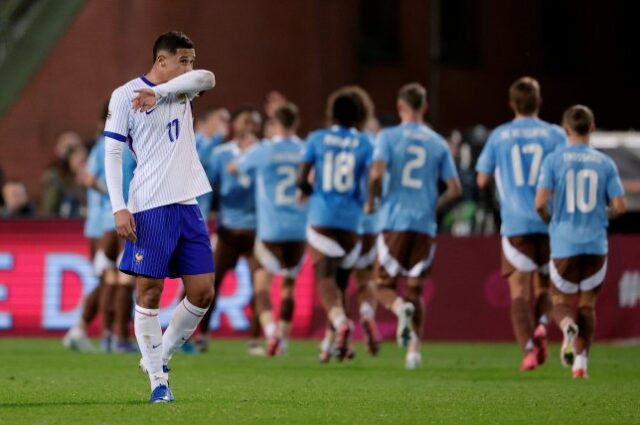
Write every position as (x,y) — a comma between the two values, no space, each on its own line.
(139,257)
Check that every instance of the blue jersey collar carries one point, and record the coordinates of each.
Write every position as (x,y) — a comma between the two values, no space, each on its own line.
(146,81)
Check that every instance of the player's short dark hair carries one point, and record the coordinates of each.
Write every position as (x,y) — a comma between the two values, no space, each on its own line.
(525,96)
(287,115)
(579,119)
(206,114)
(349,106)
(171,41)
(245,109)
(414,95)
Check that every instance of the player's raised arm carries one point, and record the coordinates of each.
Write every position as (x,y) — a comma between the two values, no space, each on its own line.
(190,83)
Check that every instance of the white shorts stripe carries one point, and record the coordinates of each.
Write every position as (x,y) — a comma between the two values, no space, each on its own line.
(419,268)
(367,259)
(389,263)
(331,248)
(326,245)
(394,268)
(561,283)
(271,263)
(568,287)
(265,257)
(350,260)
(517,258)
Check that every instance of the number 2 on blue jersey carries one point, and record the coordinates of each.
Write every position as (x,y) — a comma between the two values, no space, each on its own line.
(288,172)
(175,126)
(419,158)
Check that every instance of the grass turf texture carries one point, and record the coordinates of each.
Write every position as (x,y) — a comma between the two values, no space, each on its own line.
(43,383)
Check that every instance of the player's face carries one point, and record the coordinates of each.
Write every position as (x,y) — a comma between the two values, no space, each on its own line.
(177,64)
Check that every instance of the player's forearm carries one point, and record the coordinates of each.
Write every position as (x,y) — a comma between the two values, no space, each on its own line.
(453,192)
(113,171)
(544,214)
(303,179)
(541,204)
(374,189)
(190,82)
(617,208)
(482,180)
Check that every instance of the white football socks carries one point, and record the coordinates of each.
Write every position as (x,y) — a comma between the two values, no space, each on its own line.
(183,323)
(580,361)
(149,337)
(397,306)
(268,325)
(366,311)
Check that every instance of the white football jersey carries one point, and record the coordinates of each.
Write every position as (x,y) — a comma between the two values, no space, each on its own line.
(168,169)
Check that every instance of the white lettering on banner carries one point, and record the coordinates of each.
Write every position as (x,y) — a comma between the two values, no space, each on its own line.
(233,305)
(6,263)
(629,289)
(55,265)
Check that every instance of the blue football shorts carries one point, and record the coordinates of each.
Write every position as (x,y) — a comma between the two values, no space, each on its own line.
(172,241)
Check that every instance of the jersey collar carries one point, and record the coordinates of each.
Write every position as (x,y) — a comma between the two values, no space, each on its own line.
(146,81)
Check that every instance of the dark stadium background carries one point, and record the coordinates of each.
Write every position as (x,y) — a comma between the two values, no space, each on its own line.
(73,53)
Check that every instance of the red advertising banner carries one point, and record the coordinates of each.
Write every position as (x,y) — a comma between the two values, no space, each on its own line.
(45,271)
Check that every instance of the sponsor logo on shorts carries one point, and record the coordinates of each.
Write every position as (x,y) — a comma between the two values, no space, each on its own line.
(139,257)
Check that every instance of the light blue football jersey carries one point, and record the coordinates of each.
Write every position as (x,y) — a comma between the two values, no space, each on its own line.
(514,154)
(340,157)
(236,203)
(128,167)
(583,181)
(275,164)
(93,222)
(204,147)
(416,158)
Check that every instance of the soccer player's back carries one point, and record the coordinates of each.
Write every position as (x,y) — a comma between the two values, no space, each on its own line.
(234,201)
(280,242)
(513,155)
(212,127)
(414,158)
(339,157)
(582,182)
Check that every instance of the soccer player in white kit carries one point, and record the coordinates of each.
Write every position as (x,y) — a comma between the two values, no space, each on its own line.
(164,229)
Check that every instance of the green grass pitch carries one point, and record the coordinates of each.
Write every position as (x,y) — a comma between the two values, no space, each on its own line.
(43,383)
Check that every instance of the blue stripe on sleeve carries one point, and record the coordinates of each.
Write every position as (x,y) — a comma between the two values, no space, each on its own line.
(115,136)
